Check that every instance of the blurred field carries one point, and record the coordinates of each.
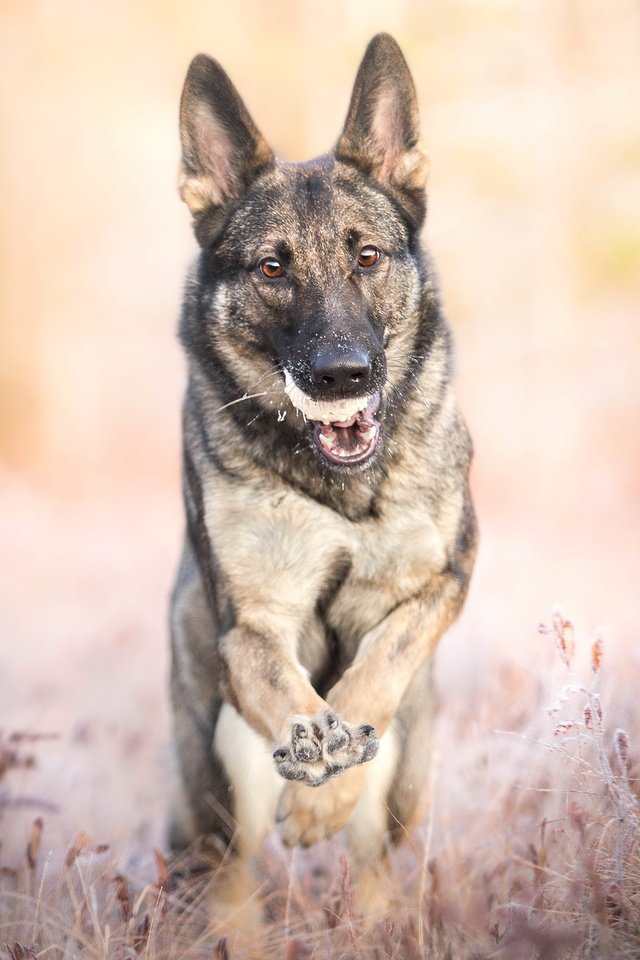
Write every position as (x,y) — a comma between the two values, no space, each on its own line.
(530,111)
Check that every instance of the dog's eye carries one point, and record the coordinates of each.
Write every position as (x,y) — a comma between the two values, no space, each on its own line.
(271,268)
(368,256)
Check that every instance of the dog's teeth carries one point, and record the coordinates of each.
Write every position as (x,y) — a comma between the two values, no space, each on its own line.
(368,434)
(322,411)
(327,441)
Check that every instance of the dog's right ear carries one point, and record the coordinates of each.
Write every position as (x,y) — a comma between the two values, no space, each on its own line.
(222,149)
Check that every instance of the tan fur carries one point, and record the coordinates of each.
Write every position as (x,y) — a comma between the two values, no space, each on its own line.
(310,598)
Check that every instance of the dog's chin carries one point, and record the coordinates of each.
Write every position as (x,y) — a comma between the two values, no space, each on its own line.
(349,445)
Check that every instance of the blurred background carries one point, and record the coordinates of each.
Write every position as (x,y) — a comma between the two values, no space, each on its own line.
(531,112)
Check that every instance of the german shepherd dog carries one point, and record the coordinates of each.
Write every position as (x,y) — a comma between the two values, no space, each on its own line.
(330,531)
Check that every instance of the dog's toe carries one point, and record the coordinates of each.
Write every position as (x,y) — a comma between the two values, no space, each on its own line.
(323,747)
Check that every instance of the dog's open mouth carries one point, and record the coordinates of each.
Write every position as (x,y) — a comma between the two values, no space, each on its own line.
(344,430)
(352,440)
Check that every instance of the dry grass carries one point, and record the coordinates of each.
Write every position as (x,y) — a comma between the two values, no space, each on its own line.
(530,847)
(530,841)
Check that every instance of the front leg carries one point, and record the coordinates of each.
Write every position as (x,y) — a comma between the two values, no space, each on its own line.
(269,689)
(388,658)
(263,680)
(252,578)
(390,655)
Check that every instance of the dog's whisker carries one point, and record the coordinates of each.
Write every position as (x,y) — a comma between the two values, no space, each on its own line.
(274,374)
(246,396)
(252,396)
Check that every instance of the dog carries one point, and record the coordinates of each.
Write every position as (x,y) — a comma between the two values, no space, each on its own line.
(330,529)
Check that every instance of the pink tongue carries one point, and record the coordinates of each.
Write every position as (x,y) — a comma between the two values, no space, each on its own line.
(363,417)
(344,423)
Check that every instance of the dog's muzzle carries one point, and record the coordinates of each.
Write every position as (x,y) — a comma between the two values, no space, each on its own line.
(345,431)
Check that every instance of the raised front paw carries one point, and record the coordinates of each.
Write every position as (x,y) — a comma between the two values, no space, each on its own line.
(324,747)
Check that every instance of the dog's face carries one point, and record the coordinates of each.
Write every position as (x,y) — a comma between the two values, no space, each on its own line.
(310,272)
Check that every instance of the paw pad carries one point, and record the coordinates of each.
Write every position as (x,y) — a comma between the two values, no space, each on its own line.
(323,748)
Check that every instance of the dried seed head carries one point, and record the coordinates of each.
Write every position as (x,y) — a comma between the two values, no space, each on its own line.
(33,846)
(122,893)
(163,870)
(597,706)
(80,844)
(588,717)
(596,654)
(561,630)
(221,950)
(20,951)
(621,746)
(564,727)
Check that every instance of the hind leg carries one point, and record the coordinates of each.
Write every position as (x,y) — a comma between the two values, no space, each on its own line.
(201,801)
(392,793)
(228,783)
(367,830)
(237,809)
(254,788)
(414,723)
(197,809)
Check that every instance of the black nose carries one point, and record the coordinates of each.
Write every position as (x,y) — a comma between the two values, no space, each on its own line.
(367,729)
(341,369)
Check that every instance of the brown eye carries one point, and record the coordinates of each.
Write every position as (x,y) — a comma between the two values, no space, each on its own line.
(271,268)
(368,256)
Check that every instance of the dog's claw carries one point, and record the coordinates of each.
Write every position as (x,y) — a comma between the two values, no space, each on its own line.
(323,748)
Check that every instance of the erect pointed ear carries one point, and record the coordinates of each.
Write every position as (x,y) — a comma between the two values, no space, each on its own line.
(382,134)
(222,149)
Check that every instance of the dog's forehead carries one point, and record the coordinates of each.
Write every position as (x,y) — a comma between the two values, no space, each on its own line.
(317,200)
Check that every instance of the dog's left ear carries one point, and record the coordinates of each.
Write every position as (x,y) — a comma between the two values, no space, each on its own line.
(381,134)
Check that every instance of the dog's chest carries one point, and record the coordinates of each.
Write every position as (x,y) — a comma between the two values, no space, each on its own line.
(392,559)
(285,561)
